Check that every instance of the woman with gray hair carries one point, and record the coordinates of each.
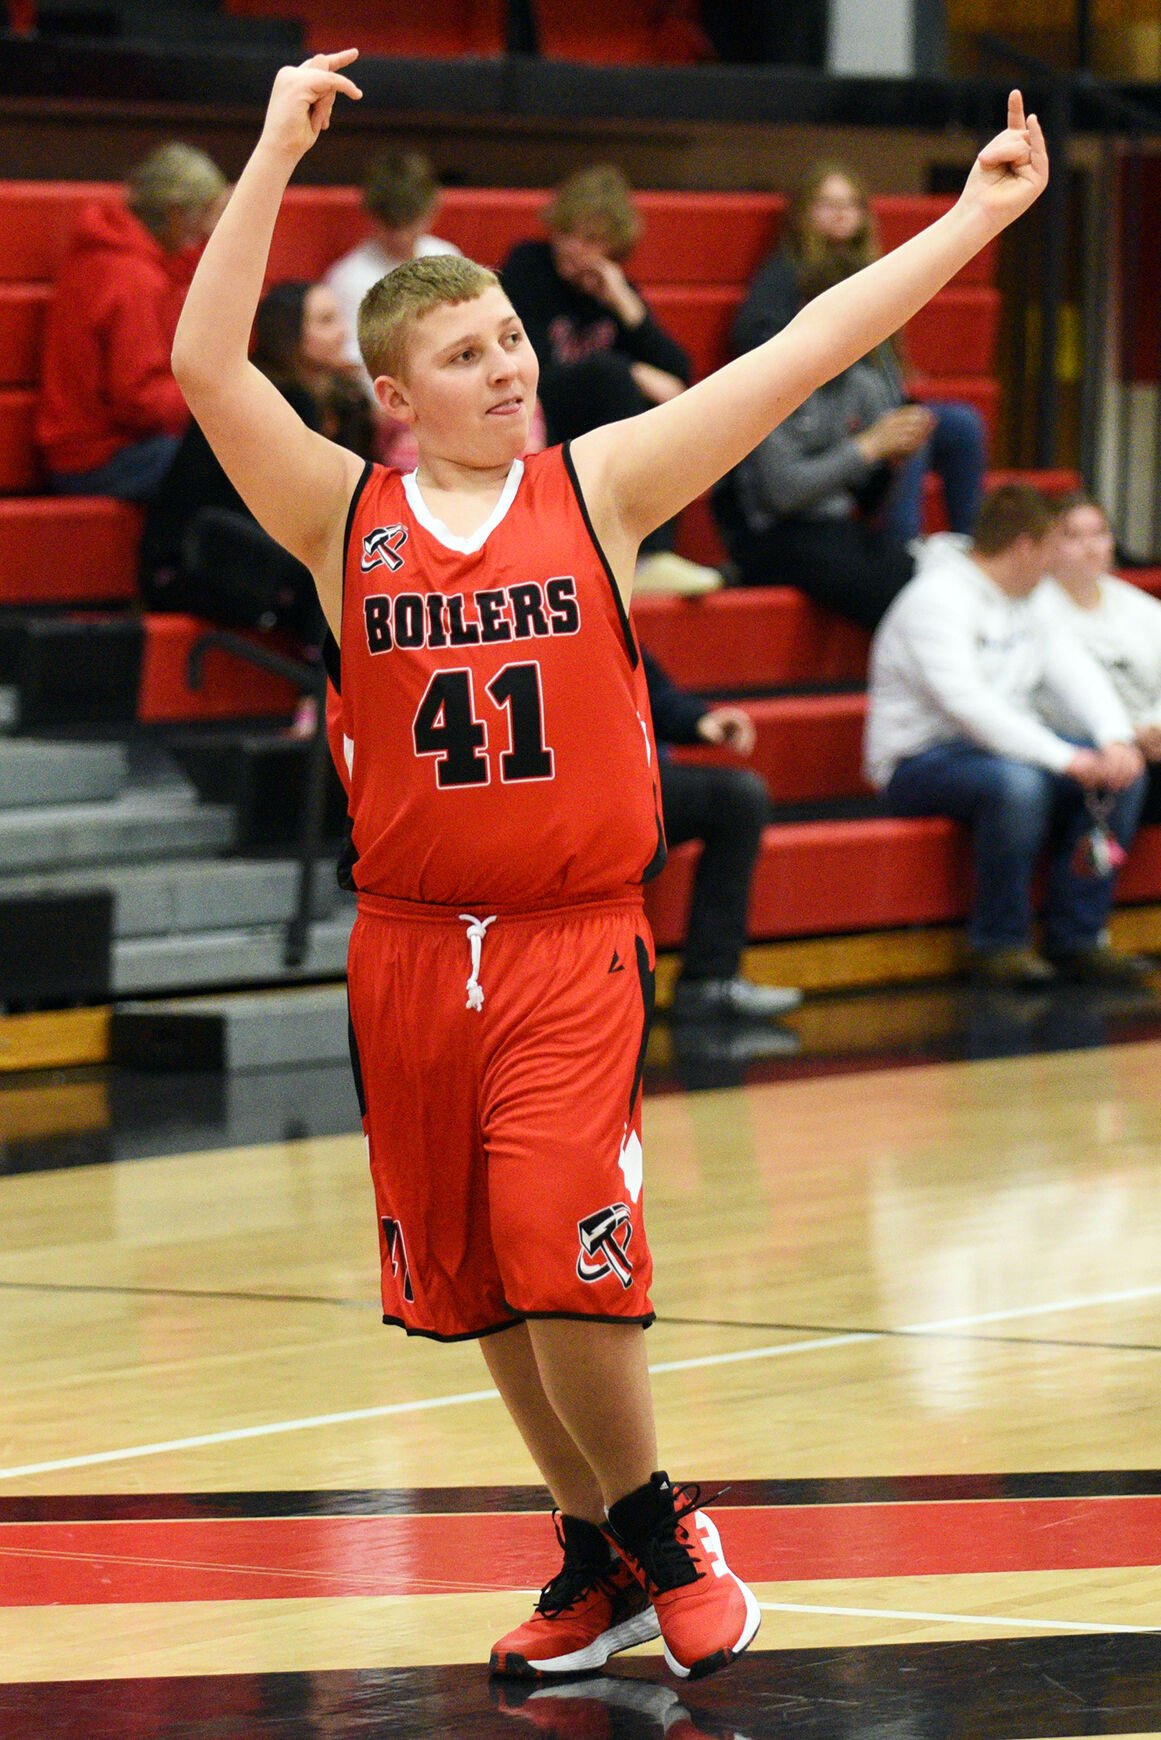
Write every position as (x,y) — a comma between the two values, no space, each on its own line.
(110,413)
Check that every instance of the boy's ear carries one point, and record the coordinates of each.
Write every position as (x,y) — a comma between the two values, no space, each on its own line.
(394,397)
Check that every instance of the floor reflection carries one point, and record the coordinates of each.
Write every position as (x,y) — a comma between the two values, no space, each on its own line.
(1008,1689)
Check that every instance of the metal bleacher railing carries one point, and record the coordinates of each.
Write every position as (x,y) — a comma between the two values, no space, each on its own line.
(1112,320)
(309,680)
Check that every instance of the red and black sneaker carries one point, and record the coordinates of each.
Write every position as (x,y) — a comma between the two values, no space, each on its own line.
(707,1614)
(594,1607)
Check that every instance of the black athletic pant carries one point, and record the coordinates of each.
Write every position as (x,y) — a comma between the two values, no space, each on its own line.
(850,567)
(726,807)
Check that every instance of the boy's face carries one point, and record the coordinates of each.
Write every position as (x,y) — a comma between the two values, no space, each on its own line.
(1027,563)
(469,390)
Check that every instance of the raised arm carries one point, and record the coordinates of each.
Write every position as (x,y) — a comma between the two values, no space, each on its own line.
(295,482)
(639,473)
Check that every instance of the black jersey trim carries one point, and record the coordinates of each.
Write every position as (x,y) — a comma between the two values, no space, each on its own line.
(623,614)
(467,1335)
(642,1322)
(648,981)
(333,661)
(660,857)
(356,1061)
(356,497)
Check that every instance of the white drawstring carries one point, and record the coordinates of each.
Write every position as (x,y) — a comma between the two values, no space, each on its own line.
(477,931)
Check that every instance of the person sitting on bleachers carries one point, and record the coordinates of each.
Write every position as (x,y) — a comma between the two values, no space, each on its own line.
(401,197)
(830,233)
(956,726)
(202,550)
(1118,623)
(110,413)
(805,508)
(602,355)
(726,808)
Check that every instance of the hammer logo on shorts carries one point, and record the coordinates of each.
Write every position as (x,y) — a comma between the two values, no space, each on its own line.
(604,1241)
(397,1256)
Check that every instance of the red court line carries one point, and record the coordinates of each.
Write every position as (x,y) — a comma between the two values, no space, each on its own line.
(230,1559)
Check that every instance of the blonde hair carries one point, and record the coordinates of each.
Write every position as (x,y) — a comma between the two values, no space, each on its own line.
(390,309)
(596,203)
(174,177)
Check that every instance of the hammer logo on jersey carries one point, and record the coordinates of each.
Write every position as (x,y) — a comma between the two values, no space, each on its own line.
(397,1256)
(604,1242)
(382,547)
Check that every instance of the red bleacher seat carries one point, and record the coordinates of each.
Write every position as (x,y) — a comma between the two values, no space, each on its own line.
(621,31)
(824,878)
(68,550)
(808,748)
(22,312)
(232,689)
(750,638)
(20,469)
(441,29)
(956,333)
(36,224)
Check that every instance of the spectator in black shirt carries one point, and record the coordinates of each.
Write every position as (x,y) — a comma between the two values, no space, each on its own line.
(202,550)
(602,355)
(726,808)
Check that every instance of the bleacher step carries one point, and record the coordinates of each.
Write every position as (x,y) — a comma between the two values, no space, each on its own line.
(34,774)
(172,897)
(260,1030)
(226,957)
(138,827)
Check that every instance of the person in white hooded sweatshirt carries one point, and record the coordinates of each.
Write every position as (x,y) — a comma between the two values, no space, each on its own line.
(963,666)
(1118,622)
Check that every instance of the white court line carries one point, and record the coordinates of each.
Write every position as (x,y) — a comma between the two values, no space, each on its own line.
(1030,1311)
(778,1351)
(950,1618)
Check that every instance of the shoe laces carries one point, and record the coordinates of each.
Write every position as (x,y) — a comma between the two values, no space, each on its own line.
(667,1561)
(576,1578)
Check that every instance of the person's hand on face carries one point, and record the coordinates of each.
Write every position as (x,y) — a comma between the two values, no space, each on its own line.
(584,264)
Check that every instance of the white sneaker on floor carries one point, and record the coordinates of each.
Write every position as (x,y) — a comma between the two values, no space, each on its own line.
(704,999)
(664,572)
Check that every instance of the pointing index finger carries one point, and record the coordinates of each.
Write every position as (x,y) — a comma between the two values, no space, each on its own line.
(1016,110)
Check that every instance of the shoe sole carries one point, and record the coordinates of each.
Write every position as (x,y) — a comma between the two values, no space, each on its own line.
(710,1664)
(642,1628)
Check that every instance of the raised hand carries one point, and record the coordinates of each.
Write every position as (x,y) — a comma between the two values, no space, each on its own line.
(1011,171)
(302,99)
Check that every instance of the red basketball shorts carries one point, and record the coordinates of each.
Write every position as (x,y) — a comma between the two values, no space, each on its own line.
(500,1061)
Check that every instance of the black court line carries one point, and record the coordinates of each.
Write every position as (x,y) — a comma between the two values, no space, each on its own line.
(998,1689)
(224,1294)
(916,1334)
(821,1329)
(883,1490)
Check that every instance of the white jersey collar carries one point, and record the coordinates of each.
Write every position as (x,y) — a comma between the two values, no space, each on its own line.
(449,539)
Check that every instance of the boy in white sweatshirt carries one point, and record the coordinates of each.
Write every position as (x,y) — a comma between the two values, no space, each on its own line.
(963,667)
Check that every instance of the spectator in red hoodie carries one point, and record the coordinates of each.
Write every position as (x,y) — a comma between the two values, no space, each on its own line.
(111,414)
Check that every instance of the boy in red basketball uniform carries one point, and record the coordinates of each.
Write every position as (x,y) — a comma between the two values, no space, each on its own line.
(505,813)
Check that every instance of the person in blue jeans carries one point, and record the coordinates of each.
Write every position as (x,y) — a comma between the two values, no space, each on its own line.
(967,667)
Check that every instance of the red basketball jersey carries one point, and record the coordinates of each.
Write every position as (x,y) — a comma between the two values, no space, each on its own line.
(495,721)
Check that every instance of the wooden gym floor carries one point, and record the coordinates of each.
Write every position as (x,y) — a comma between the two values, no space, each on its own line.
(909,1313)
